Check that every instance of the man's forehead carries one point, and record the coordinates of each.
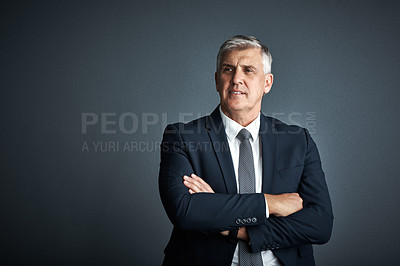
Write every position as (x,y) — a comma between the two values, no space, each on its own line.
(252,54)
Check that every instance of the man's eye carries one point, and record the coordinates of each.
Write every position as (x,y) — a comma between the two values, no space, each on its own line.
(249,70)
(228,69)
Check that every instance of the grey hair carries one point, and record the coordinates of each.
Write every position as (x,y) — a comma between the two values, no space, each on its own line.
(241,42)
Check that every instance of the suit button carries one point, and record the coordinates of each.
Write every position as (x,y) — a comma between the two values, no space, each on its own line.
(277,246)
(264,248)
(248,220)
(243,221)
(254,220)
(268,246)
(272,247)
(238,221)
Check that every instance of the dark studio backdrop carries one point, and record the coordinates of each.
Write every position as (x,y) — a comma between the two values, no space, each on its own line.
(88,86)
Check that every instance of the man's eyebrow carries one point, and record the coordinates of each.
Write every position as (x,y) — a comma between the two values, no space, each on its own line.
(248,66)
(244,66)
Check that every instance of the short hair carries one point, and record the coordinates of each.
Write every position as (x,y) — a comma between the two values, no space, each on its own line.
(241,42)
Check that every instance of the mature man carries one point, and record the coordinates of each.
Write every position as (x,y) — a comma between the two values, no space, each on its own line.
(239,187)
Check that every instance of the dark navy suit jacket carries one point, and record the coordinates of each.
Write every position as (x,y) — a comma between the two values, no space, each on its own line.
(290,163)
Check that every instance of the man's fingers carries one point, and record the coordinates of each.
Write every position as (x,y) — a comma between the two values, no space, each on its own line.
(198,179)
(196,184)
(192,181)
(224,233)
(192,187)
(284,204)
(195,177)
(188,182)
(202,183)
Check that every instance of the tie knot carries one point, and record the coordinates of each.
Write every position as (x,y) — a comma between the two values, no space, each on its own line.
(243,134)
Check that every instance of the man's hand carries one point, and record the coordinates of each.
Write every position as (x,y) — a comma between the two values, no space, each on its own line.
(196,184)
(242,234)
(284,204)
(279,205)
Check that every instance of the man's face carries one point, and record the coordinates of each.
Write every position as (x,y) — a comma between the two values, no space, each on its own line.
(241,82)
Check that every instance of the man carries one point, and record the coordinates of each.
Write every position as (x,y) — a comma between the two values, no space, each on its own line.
(239,187)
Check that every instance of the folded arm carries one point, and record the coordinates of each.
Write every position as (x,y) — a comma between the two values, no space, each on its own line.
(279,205)
(289,223)
(207,212)
(214,212)
(310,225)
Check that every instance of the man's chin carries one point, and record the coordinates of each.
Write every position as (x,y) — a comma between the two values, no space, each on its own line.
(237,107)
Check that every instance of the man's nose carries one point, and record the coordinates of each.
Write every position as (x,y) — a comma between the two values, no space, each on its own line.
(237,77)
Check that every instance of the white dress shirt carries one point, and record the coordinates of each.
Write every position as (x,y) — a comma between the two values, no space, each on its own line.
(232,128)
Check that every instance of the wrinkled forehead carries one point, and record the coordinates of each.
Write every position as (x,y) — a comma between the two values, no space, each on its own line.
(251,55)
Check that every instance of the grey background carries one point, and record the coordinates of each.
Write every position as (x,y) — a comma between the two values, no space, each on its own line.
(336,69)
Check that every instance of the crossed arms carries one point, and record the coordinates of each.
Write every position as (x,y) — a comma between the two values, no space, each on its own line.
(295,219)
(280,205)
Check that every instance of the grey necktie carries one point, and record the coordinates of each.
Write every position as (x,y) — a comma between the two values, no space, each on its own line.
(246,185)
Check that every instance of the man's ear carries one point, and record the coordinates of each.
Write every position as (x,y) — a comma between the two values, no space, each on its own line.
(216,80)
(269,79)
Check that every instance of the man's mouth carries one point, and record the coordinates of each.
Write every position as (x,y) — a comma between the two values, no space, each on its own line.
(236,92)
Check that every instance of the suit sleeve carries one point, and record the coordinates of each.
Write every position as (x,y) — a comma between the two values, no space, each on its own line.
(312,224)
(207,212)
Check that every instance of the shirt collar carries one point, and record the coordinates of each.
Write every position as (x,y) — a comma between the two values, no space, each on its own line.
(232,128)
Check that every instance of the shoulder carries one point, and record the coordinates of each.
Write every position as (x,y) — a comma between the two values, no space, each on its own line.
(197,125)
(277,126)
(192,131)
(284,133)
(288,135)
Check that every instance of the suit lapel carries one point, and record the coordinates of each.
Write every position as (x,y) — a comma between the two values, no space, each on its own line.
(216,132)
(269,143)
